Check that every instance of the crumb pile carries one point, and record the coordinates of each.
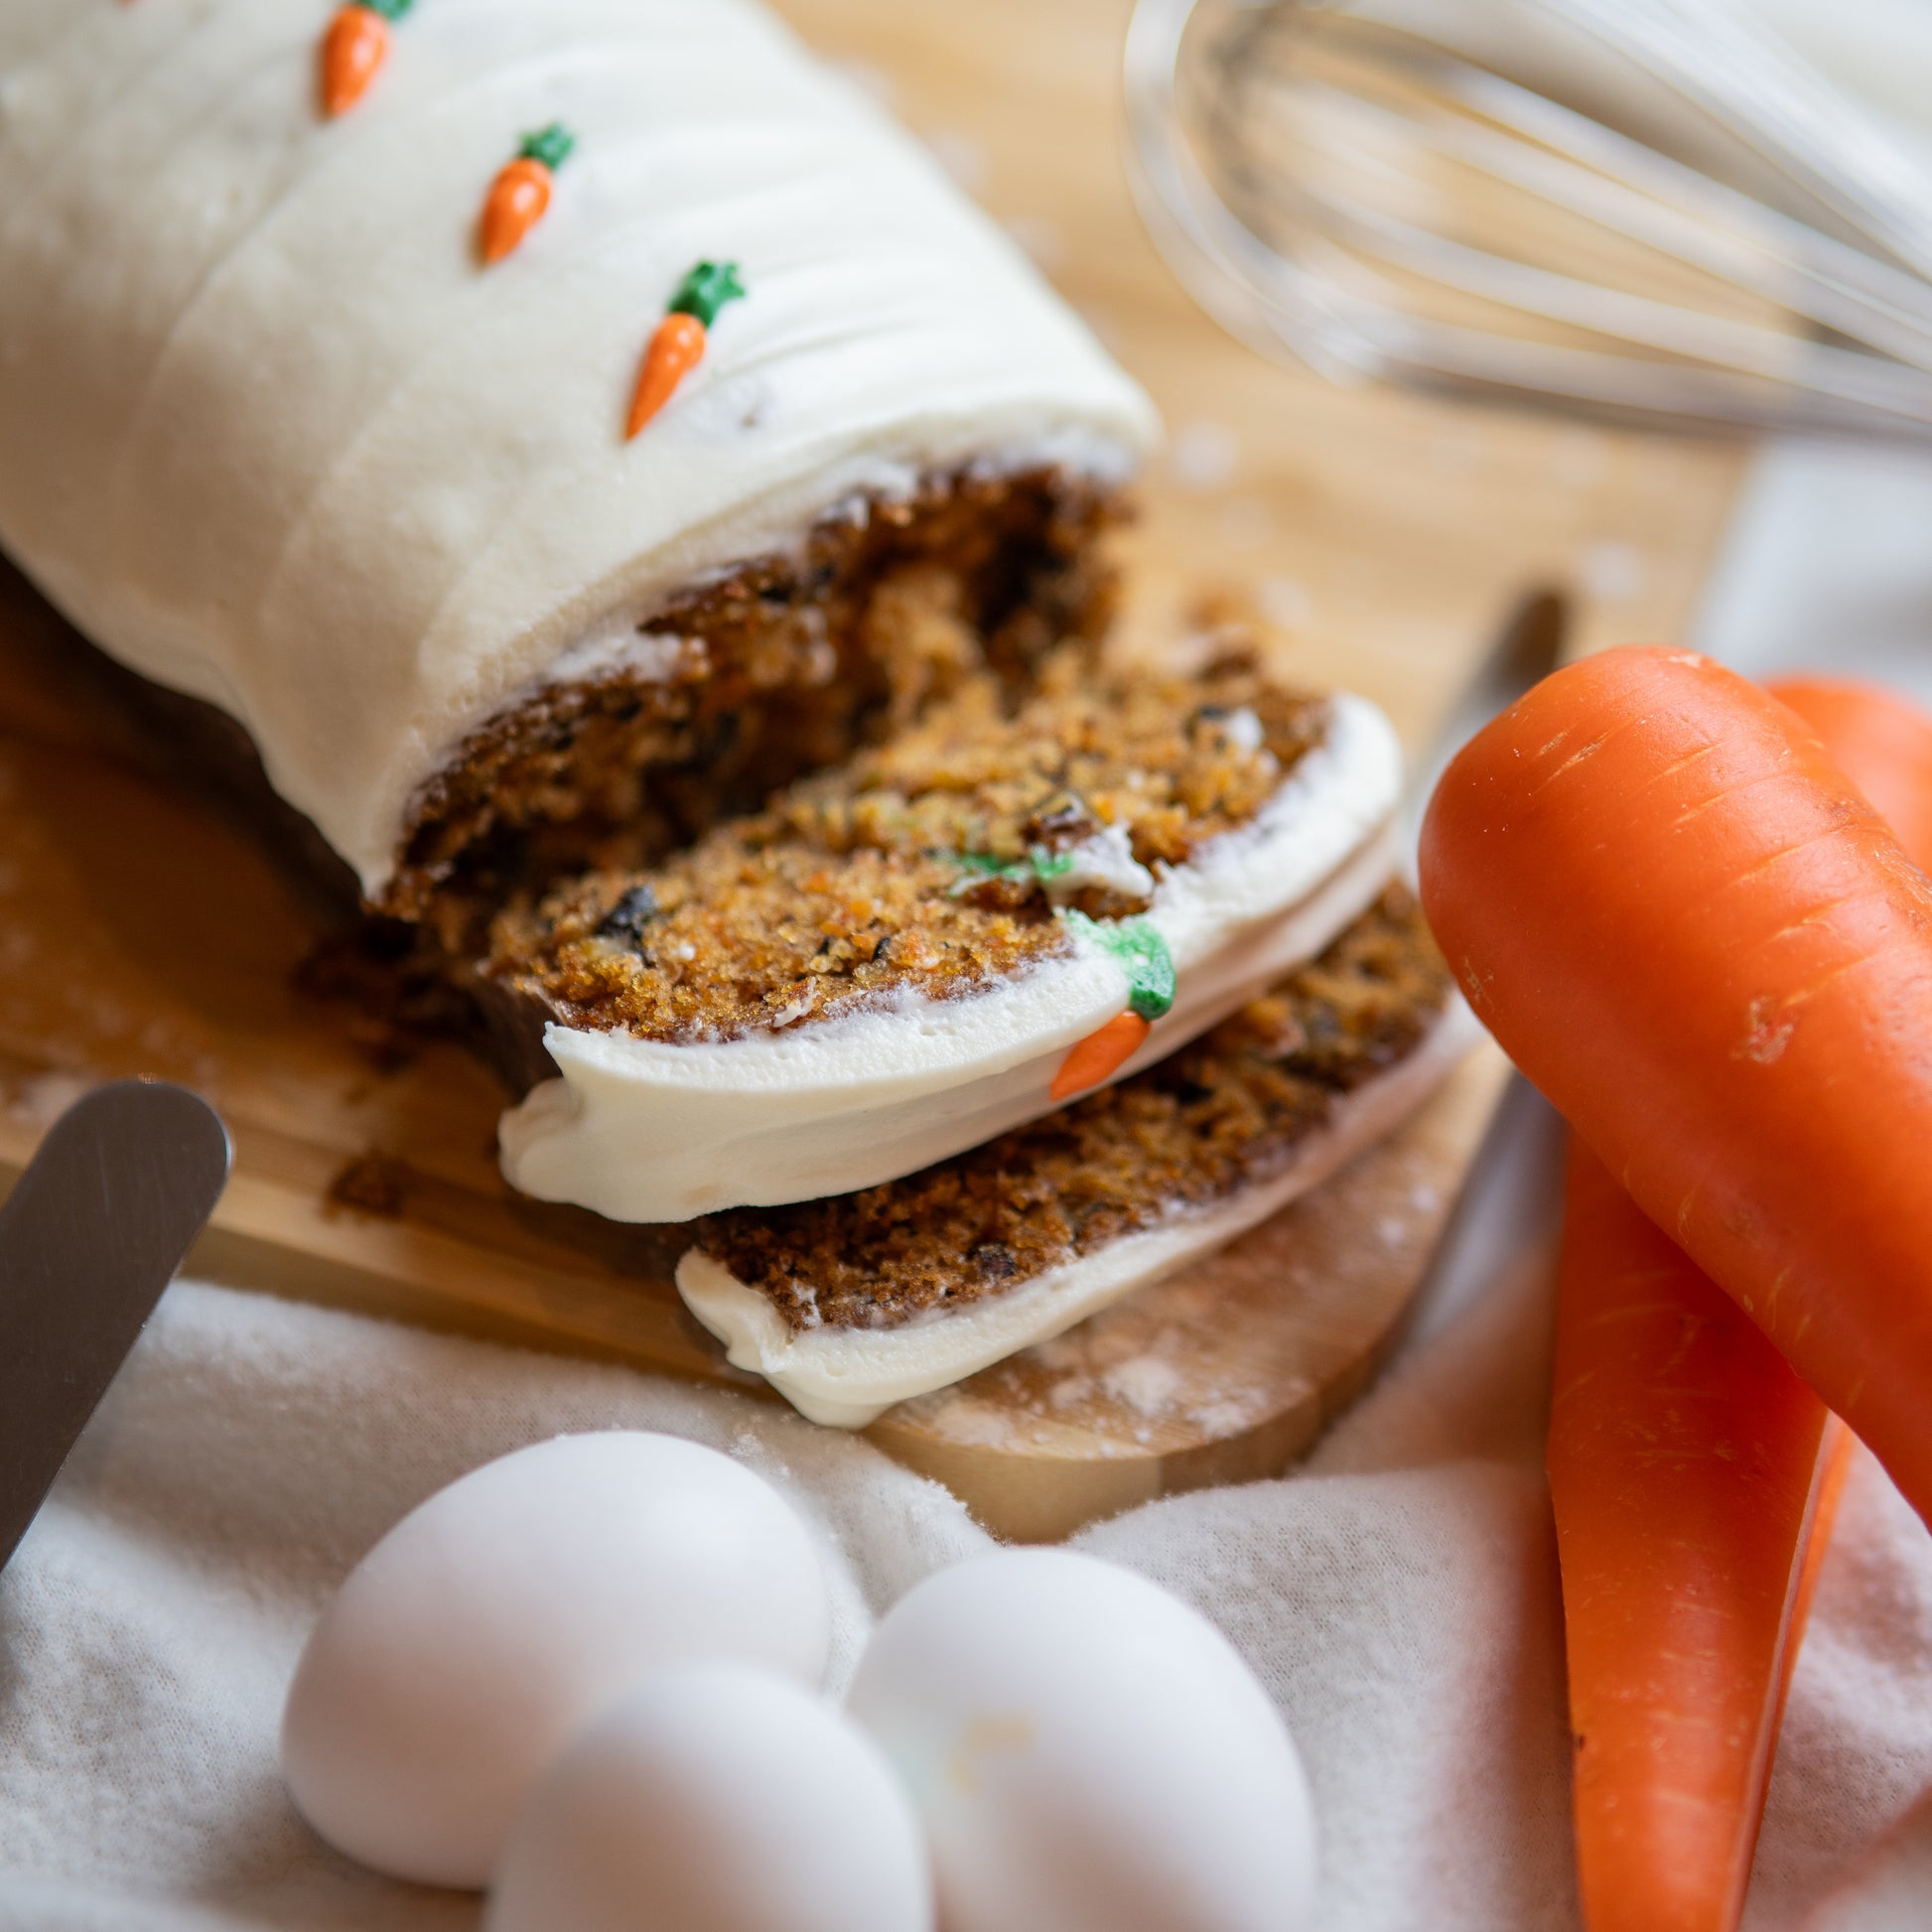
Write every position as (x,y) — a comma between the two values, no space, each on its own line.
(1219,1116)
(933,864)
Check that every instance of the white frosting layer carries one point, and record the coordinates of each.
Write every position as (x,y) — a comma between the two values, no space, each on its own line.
(270,435)
(845,1377)
(644,1131)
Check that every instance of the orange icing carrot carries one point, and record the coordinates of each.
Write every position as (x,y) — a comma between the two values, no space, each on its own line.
(678,345)
(1090,1060)
(520,193)
(354,50)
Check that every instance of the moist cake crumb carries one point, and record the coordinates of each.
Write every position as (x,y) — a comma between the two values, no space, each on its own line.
(782,666)
(1213,1119)
(932,865)
(371,1184)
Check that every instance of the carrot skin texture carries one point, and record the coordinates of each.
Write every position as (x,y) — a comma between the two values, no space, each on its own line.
(514,206)
(353,52)
(1881,743)
(1684,923)
(1104,1050)
(676,349)
(1692,1476)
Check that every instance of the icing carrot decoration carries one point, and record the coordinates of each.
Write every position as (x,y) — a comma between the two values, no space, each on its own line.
(520,193)
(1143,955)
(677,346)
(1104,1051)
(354,50)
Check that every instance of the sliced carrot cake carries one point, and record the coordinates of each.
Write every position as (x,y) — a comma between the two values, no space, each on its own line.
(652,531)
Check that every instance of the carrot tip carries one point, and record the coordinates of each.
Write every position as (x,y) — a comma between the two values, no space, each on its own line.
(675,350)
(352,51)
(518,199)
(1104,1051)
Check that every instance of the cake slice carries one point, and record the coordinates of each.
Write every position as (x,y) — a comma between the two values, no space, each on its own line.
(942,938)
(849,1305)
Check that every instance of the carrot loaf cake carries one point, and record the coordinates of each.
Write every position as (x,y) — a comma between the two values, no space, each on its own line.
(851,1304)
(653,528)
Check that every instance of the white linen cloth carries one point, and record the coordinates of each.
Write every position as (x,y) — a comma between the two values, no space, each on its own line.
(1397,1595)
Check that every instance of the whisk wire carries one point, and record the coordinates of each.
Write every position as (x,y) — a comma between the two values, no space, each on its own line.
(1341,181)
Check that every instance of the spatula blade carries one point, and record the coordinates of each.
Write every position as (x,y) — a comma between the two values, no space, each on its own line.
(90,1235)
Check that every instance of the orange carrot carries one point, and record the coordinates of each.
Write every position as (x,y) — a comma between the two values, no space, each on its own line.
(676,349)
(1103,1052)
(1679,1444)
(678,345)
(1882,744)
(354,49)
(520,193)
(1693,1479)
(1684,924)
(518,198)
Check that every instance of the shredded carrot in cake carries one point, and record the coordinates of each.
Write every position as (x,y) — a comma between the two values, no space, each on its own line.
(1216,1117)
(936,864)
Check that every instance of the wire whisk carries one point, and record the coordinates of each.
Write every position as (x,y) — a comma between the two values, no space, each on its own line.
(1643,210)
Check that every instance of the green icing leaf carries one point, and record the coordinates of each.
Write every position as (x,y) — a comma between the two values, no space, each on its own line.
(1143,955)
(978,867)
(550,145)
(975,869)
(388,9)
(706,290)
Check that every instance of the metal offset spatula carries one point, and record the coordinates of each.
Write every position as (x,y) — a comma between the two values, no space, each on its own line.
(90,1235)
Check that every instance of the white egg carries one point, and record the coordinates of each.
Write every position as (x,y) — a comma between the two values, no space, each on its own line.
(1087,1753)
(494,1622)
(716,1800)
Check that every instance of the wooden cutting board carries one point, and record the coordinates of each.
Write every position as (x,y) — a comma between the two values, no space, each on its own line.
(1377,540)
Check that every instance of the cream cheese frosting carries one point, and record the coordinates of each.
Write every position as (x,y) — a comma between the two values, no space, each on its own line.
(643,1130)
(846,1377)
(272,437)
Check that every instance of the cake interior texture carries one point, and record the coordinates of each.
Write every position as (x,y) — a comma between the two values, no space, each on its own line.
(1220,1115)
(787,665)
(965,597)
(933,864)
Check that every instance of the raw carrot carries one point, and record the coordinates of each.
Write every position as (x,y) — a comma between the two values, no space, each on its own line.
(1679,1442)
(354,49)
(1684,924)
(1105,1050)
(678,344)
(1882,744)
(520,193)
(1693,1478)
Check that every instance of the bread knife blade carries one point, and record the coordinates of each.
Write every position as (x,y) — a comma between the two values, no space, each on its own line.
(90,1235)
